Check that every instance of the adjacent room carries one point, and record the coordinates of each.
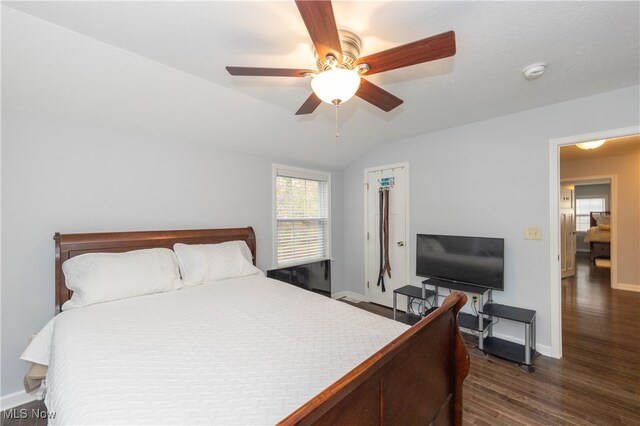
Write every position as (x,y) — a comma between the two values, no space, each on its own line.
(320,212)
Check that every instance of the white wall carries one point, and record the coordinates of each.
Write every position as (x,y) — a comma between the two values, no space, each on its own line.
(489,178)
(67,177)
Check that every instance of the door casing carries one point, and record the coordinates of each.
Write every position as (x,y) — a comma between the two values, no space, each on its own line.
(570,271)
(554,225)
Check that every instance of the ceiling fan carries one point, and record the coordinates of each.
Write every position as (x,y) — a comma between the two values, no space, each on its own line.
(340,69)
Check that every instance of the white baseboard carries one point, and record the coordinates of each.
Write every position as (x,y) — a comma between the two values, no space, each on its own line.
(350,294)
(627,287)
(542,349)
(17,398)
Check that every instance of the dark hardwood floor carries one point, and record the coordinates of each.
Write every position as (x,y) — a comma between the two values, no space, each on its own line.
(596,382)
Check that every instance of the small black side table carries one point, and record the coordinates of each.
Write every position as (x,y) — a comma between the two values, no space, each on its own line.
(521,354)
(412,292)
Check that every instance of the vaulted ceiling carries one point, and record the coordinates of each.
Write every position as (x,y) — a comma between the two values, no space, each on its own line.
(158,67)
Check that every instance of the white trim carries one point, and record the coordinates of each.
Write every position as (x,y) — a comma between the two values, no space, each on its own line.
(16,399)
(554,225)
(541,349)
(357,296)
(407,226)
(627,287)
(274,226)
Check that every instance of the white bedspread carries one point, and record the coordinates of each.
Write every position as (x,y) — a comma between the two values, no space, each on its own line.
(595,233)
(242,351)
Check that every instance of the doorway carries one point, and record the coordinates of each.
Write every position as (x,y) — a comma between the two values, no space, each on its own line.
(393,178)
(554,230)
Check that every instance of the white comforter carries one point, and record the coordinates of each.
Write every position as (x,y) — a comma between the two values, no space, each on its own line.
(242,351)
(596,233)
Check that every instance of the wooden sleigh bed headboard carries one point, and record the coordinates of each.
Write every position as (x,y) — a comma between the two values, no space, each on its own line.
(415,379)
(592,217)
(70,245)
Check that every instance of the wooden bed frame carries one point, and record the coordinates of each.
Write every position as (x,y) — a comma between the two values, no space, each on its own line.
(598,248)
(415,379)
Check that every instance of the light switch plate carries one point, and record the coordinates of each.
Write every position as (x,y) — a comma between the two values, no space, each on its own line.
(532,233)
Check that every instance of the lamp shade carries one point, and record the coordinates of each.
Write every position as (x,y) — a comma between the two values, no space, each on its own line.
(591,145)
(336,86)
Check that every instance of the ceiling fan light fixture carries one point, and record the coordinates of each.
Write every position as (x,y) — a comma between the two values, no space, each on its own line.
(591,145)
(336,86)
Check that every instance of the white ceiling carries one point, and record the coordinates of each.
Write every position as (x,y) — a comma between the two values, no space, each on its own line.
(167,76)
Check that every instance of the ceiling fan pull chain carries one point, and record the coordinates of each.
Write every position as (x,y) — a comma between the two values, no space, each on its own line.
(337,129)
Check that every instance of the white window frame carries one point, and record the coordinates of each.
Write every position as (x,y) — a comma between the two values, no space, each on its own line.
(587,197)
(300,172)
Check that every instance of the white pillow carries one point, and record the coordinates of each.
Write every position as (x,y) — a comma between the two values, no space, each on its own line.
(602,219)
(101,277)
(200,263)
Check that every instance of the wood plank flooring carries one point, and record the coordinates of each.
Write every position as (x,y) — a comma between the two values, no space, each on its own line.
(596,382)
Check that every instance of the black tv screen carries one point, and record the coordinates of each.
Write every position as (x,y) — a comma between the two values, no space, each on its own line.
(476,261)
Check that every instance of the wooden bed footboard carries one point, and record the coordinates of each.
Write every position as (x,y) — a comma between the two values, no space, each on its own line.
(415,380)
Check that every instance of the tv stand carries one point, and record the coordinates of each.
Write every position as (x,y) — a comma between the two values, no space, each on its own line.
(483,324)
(521,354)
(474,323)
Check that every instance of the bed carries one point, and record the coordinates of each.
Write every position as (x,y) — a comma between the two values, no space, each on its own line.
(280,354)
(598,236)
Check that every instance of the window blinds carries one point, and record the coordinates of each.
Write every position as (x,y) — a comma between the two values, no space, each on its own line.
(584,206)
(302,216)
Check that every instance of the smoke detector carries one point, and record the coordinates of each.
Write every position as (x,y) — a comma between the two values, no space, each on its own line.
(534,71)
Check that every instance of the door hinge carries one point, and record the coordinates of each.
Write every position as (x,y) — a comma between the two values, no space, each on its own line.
(367,284)
(367,235)
(367,185)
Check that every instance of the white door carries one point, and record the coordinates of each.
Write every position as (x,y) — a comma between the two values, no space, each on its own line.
(567,231)
(398,244)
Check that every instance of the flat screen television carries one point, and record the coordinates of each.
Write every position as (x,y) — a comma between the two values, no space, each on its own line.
(475,261)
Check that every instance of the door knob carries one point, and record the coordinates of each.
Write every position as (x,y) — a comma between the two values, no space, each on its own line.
(400,243)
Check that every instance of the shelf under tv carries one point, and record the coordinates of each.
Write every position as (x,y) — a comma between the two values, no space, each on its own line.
(470,322)
(453,285)
(412,319)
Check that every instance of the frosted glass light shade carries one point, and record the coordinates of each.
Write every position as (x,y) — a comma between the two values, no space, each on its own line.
(336,85)
(591,145)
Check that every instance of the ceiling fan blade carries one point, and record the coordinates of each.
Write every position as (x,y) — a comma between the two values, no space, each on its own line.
(321,24)
(425,50)
(268,72)
(377,96)
(309,105)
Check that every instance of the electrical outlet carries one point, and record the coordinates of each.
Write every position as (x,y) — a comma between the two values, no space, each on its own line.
(532,233)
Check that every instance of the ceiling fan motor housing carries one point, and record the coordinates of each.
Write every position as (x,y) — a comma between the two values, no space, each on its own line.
(350,44)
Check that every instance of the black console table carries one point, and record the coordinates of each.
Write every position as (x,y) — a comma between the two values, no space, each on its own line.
(484,321)
(470,322)
(521,354)
(412,292)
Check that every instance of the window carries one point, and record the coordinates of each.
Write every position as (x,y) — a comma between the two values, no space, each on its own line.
(301,202)
(584,206)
